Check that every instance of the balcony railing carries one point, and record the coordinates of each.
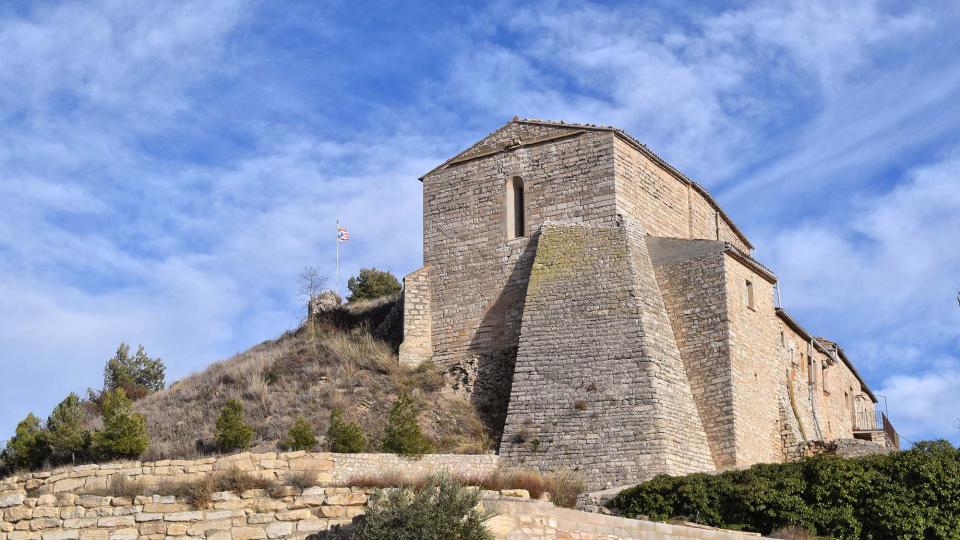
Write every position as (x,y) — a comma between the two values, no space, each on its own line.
(867,421)
(876,421)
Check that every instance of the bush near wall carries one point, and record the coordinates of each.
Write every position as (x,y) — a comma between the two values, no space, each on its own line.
(910,495)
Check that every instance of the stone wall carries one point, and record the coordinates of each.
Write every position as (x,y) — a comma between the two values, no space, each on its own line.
(331,469)
(692,279)
(287,512)
(664,205)
(58,505)
(755,364)
(522,519)
(417,322)
(478,276)
(599,385)
(823,412)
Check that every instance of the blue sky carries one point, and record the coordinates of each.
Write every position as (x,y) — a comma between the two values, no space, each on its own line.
(167,168)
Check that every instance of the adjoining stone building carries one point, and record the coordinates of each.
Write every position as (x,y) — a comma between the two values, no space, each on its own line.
(606,315)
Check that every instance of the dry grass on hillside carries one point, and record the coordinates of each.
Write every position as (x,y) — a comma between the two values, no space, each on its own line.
(299,374)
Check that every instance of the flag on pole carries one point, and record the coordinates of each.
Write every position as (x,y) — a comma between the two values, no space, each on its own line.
(342,234)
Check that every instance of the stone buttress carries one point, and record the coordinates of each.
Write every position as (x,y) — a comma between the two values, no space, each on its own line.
(599,385)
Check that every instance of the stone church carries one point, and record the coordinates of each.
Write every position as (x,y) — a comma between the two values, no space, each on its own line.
(606,315)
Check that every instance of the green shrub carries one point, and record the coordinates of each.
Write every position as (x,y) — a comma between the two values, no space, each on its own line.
(138,375)
(124,433)
(371,283)
(343,436)
(300,436)
(402,434)
(442,509)
(28,449)
(68,436)
(913,494)
(232,433)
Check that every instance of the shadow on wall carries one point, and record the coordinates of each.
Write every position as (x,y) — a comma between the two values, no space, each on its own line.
(487,372)
(338,532)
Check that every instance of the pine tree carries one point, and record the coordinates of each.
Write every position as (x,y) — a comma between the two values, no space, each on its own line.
(68,436)
(124,433)
(402,434)
(28,449)
(138,375)
(232,432)
(300,436)
(344,437)
(371,283)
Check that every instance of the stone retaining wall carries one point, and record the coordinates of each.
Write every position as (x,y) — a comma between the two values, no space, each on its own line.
(525,519)
(330,468)
(58,505)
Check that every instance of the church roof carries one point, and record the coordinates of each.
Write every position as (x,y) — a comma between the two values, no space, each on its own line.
(580,128)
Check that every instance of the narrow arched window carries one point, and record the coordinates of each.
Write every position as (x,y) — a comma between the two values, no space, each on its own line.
(516,209)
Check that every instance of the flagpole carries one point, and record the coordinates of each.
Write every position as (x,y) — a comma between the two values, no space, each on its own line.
(336,283)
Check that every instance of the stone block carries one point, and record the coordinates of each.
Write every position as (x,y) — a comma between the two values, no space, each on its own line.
(44,523)
(116,521)
(347,499)
(69,512)
(23,535)
(257,518)
(270,505)
(62,535)
(294,515)
(68,484)
(177,529)
(330,511)
(14,514)
(312,525)
(124,534)
(183,516)
(92,501)
(163,508)
(311,464)
(46,512)
(11,500)
(79,523)
(248,533)
(153,527)
(213,515)
(279,529)
(202,528)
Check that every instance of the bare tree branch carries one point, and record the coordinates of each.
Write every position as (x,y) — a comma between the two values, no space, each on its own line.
(311,283)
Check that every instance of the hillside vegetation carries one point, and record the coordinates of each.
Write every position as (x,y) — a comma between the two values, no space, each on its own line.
(345,360)
(910,495)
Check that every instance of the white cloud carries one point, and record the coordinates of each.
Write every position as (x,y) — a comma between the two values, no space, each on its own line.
(101,241)
(700,96)
(927,404)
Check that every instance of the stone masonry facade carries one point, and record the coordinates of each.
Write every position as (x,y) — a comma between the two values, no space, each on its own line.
(78,503)
(605,314)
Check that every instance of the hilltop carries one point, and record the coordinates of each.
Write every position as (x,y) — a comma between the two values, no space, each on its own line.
(346,358)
